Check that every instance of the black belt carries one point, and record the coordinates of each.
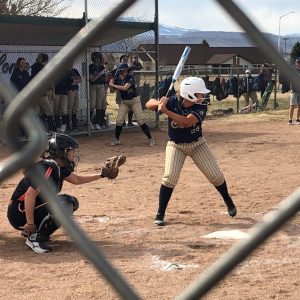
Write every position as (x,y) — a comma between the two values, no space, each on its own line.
(195,141)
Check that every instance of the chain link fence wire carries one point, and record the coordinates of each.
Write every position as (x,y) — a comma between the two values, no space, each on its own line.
(273,221)
(142,11)
(16,110)
(138,18)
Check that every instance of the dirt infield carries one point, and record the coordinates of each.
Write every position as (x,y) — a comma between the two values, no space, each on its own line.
(259,158)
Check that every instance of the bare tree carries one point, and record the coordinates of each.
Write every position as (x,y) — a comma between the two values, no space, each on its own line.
(125,45)
(48,8)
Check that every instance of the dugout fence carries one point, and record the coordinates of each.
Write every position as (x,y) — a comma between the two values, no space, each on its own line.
(137,25)
(18,109)
(113,46)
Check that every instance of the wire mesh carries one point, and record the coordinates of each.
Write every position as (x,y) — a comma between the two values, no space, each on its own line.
(140,12)
(24,159)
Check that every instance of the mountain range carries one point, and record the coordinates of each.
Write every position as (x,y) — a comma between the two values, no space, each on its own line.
(177,35)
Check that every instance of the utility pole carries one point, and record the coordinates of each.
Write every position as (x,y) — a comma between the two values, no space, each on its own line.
(285,39)
(278,41)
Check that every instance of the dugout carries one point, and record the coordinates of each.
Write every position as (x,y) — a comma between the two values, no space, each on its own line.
(49,31)
(26,36)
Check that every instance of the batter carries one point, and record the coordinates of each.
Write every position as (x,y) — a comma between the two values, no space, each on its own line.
(185,116)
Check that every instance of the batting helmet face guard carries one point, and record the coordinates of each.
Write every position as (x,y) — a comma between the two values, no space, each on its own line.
(58,147)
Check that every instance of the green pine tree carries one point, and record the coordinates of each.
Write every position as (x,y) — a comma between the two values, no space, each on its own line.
(295,53)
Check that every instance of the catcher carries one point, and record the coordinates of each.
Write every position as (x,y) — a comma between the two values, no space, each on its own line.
(29,213)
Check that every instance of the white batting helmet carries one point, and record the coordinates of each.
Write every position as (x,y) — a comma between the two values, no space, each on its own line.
(192,85)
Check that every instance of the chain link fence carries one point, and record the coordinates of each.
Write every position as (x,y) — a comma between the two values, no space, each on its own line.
(18,109)
(140,12)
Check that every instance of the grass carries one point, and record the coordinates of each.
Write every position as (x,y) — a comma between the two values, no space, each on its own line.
(278,114)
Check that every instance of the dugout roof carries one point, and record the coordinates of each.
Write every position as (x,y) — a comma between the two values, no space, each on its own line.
(48,31)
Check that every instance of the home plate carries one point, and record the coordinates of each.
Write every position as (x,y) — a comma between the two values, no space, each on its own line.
(227,234)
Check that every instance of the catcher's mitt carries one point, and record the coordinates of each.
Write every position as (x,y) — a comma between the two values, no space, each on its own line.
(110,168)
(115,161)
(109,172)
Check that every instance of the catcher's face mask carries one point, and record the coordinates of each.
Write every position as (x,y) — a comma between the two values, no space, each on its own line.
(73,156)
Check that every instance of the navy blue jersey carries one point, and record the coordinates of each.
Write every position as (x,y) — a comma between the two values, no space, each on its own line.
(62,86)
(36,68)
(74,74)
(19,78)
(131,92)
(50,170)
(97,69)
(191,134)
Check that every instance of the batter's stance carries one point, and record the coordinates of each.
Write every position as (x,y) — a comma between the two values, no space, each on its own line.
(185,116)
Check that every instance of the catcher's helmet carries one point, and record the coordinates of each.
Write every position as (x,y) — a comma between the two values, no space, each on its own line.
(192,85)
(59,144)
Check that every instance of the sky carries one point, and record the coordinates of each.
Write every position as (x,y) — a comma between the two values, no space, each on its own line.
(208,15)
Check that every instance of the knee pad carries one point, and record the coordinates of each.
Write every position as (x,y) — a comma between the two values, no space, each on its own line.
(69,201)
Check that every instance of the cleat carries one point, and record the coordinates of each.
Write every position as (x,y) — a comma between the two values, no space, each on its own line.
(151,142)
(115,142)
(97,127)
(232,211)
(37,243)
(159,220)
(92,126)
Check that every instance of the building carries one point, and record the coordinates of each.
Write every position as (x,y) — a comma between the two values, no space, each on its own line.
(202,56)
